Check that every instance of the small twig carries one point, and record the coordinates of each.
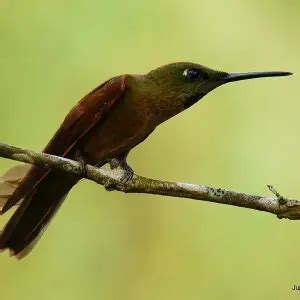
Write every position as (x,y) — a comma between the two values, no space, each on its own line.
(281,200)
(280,206)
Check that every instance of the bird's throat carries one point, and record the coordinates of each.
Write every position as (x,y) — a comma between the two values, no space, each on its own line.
(192,100)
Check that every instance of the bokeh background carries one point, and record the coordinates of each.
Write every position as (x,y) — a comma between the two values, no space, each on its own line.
(242,136)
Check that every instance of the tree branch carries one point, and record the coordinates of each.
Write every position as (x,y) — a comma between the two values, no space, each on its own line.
(112,180)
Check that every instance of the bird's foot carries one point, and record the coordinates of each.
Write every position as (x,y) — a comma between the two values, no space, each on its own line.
(83,168)
(124,172)
(121,165)
(82,163)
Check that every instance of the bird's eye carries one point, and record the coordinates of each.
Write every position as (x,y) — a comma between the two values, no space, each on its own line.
(194,74)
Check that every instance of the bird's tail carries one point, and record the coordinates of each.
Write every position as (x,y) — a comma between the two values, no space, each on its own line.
(10,180)
(35,212)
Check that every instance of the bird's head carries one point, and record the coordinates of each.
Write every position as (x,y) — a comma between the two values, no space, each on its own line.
(189,82)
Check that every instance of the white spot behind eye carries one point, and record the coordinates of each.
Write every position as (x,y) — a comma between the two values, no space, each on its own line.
(192,73)
(185,72)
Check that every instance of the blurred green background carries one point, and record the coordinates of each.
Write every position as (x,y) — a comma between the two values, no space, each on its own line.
(242,136)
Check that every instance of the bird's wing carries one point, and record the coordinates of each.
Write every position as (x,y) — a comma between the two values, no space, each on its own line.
(79,121)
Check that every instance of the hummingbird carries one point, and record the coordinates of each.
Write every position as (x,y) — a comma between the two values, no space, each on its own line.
(103,126)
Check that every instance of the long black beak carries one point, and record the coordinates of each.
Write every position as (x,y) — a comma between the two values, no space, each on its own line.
(251,75)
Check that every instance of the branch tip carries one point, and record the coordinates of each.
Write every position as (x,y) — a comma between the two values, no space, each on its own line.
(280,206)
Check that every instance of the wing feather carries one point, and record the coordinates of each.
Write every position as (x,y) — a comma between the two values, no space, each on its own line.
(80,120)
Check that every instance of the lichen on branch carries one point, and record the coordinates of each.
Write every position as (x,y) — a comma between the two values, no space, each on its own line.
(112,180)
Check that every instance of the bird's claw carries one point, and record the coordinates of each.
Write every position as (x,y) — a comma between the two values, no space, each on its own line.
(83,169)
(125,173)
(82,163)
(121,165)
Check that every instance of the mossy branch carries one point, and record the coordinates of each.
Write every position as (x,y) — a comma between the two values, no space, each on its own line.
(112,180)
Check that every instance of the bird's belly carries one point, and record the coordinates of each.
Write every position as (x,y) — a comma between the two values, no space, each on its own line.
(118,133)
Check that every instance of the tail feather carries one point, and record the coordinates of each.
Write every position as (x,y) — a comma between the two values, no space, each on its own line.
(10,180)
(35,212)
(32,244)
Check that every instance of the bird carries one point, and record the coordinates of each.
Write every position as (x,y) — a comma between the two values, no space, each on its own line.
(103,126)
